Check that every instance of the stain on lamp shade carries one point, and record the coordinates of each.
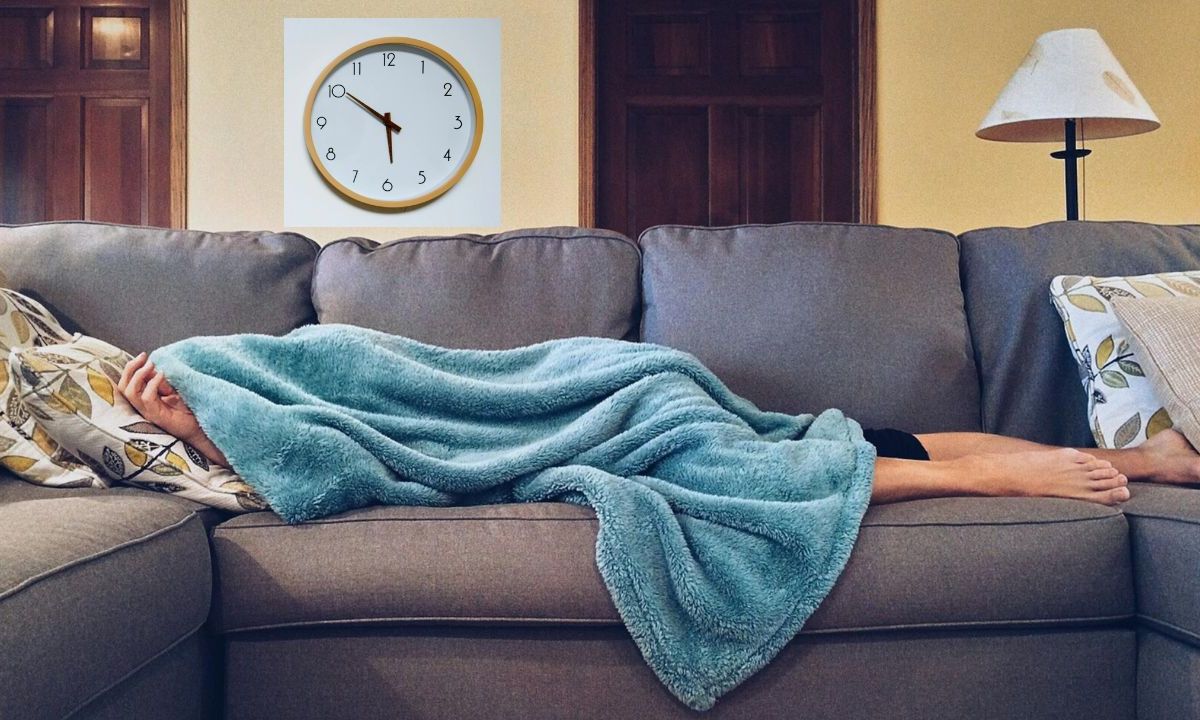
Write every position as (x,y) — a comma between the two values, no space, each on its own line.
(1068,74)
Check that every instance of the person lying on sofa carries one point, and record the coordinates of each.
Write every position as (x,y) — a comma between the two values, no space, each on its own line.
(908,466)
(720,527)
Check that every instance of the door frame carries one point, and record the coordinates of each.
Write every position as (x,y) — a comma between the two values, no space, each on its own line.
(178,44)
(866,166)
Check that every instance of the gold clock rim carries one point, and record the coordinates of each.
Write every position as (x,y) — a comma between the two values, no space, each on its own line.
(435,192)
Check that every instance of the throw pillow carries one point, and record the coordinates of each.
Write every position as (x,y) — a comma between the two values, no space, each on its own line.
(71,389)
(25,447)
(1165,334)
(1123,408)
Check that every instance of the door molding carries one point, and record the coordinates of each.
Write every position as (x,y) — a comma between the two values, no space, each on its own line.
(587,112)
(866,166)
(178,113)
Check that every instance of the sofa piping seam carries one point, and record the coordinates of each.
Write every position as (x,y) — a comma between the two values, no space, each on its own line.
(141,666)
(616,622)
(33,580)
(593,520)
(1171,630)
(1153,516)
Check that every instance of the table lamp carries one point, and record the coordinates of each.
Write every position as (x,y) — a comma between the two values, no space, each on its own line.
(1070,81)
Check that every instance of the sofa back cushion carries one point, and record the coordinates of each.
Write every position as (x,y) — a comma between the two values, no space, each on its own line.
(805,316)
(488,292)
(1029,377)
(139,288)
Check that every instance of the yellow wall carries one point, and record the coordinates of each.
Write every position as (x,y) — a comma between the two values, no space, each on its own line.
(235,105)
(943,62)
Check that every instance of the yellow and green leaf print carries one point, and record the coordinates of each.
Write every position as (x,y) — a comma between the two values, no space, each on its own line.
(71,389)
(1121,404)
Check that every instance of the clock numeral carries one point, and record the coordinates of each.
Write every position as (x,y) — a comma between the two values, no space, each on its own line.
(355,178)
(389,59)
(337,91)
(356,68)
(446,87)
(447,155)
(421,174)
(330,154)
(422,67)
(387,185)
(458,119)
(321,121)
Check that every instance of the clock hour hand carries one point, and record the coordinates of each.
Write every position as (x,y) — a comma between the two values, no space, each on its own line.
(385,119)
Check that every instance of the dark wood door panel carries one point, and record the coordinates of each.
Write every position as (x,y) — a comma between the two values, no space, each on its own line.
(115,168)
(669,44)
(715,112)
(28,34)
(24,158)
(780,151)
(668,178)
(780,43)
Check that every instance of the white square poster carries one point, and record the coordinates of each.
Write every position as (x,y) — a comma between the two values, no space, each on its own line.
(334,197)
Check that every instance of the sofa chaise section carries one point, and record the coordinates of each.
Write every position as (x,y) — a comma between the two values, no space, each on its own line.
(102,599)
(1165,538)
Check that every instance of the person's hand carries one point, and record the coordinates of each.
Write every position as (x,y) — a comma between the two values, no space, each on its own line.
(147,390)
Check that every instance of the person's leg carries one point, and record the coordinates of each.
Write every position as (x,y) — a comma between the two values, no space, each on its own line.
(1061,473)
(1167,457)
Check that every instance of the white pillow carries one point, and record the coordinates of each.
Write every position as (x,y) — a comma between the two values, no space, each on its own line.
(71,389)
(1122,406)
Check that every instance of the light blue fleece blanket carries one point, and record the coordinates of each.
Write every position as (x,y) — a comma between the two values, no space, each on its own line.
(721,527)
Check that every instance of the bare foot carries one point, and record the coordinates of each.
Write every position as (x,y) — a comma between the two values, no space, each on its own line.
(1063,473)
(1169,458)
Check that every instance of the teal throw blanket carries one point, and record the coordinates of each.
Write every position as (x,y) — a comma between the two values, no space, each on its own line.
(721,526)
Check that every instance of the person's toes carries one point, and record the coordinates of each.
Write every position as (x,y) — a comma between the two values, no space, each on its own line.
(1116,480)
(1097,464)
(1103,473)
(1118,495)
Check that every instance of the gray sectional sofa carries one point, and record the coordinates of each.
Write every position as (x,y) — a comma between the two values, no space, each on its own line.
(126,604)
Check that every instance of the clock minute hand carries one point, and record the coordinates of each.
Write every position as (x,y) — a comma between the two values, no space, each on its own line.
(387,121)
(387,118)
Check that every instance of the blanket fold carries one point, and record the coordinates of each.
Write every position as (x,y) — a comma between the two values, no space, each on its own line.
(721,526)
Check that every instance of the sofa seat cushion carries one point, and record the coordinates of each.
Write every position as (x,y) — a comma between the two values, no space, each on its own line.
(1164,524)
(92,587)
(490,292)
(936,563)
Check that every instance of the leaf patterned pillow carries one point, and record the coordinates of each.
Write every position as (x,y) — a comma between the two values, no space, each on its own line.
(71,389)
(25,447)
(1122,406)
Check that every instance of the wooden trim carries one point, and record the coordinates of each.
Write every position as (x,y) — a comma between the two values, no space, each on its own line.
(178,10)
(587,113)
(867,201)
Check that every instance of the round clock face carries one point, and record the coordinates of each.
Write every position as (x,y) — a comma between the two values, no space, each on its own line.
(393,122)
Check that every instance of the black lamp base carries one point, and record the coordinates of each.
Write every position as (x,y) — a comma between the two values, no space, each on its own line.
(1070,157)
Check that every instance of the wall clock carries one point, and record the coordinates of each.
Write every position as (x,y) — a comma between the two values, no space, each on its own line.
(393,122)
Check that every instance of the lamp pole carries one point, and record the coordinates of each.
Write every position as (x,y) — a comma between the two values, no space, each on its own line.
(1070,157)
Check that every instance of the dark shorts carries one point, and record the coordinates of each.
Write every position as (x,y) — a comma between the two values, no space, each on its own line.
(896,444)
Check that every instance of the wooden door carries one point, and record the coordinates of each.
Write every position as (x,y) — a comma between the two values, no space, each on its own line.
(714,112)
(91,111)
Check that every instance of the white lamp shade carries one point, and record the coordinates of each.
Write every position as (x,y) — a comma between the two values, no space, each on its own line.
(1068,74)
